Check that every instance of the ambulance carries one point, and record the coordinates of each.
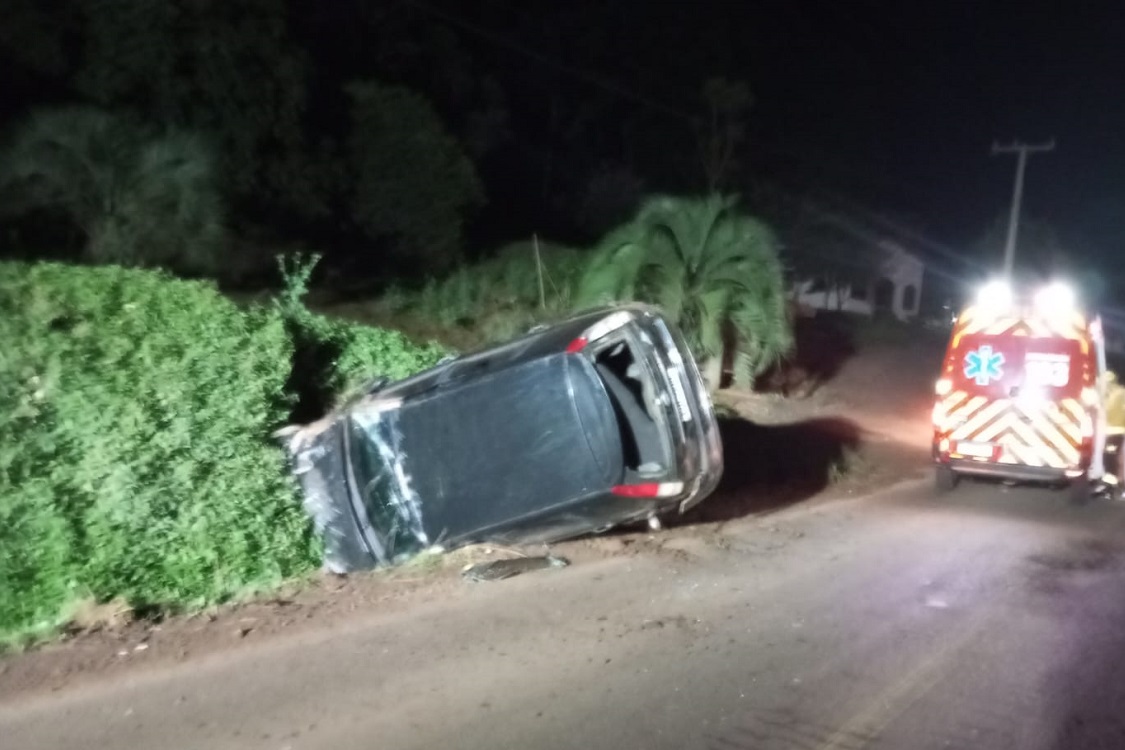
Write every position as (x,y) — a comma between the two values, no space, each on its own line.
(1022,394)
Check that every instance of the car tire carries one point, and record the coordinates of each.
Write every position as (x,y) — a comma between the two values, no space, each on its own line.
(945,479)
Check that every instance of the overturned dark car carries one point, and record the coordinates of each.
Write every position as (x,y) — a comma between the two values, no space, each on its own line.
(597,421)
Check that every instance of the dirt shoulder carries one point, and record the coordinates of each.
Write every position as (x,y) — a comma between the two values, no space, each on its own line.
(848,439)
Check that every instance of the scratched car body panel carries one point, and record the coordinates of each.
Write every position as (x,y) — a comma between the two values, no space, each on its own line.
(600,420)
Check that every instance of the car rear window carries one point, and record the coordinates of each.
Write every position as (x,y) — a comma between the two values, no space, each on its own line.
(635,392)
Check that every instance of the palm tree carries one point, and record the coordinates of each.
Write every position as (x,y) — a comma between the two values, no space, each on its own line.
(711,268)
(139,197)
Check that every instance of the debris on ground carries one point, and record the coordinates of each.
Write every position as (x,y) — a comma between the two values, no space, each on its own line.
(497,570)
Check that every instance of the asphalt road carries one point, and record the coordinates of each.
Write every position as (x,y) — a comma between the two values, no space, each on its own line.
(990,619)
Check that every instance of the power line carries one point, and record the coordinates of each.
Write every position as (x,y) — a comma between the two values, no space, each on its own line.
(759,142)
(590,78)
(898,229)
(619,90)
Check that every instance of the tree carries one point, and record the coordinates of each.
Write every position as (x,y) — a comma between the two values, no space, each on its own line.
(33,37)
(711,268)
(228,70)
(418,48)
(140,197)
(413,185)
(723,129)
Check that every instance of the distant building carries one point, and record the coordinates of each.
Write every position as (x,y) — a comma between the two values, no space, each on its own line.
(896,287)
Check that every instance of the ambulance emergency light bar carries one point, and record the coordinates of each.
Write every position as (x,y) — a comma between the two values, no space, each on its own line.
(995,295)
(1055,298)
(1051,299)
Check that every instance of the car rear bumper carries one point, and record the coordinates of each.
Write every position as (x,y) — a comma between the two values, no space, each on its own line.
(701,453)
(710,471)
(702,469)
(1015,472)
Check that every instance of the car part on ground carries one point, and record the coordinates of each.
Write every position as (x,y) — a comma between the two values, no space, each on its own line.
(498,570)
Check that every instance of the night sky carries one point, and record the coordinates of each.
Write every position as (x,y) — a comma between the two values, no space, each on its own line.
(910,96)
(894,105)
(891,105)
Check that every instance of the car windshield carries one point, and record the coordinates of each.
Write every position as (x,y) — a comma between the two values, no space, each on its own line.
(375,465)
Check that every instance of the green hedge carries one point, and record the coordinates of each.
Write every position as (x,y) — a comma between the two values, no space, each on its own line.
(135,451)
(333,357)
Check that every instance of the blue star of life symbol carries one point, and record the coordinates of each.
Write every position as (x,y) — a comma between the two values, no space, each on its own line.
(984,365)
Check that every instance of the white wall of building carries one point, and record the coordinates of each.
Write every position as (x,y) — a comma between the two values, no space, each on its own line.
(905,271)
(898,288)
(818,294)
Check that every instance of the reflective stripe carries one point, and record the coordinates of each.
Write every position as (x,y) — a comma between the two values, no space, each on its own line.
(1027,434)
(973,321)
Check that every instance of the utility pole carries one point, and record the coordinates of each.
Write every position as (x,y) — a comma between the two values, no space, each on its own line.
(1023,149)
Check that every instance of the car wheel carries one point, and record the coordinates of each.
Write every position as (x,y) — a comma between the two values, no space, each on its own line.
(945,479)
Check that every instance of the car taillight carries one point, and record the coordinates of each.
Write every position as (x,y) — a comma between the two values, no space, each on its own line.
(649,489)
(606,325)
(577,345)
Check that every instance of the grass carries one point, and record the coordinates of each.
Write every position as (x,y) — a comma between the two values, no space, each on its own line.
(726,411)
(852,462)
(477,305)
